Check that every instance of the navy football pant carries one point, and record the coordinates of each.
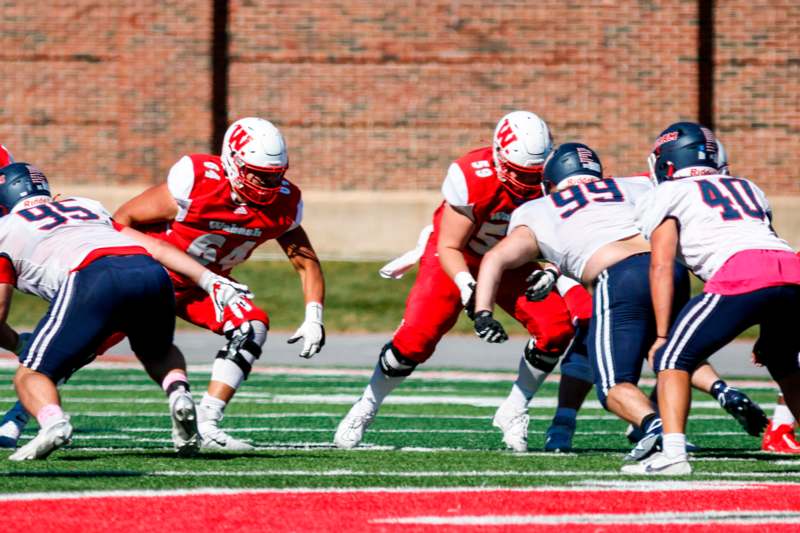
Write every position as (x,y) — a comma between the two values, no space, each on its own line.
(710,321)
(130,293)
(623,327)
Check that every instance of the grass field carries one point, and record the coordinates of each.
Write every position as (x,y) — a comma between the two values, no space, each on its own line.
(358,299)
(432,444)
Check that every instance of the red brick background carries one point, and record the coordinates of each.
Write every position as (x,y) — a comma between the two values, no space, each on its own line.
(382,95)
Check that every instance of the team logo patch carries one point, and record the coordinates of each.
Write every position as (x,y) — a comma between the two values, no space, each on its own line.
(667,137)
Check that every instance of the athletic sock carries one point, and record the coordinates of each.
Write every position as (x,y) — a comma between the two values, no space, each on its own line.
(566,413)
(380,386)
(529,379)
(781,416)
(674,444)
(210,409)
(49,415)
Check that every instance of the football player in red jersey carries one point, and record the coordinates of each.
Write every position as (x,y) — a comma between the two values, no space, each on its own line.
(480,191)
(219,209)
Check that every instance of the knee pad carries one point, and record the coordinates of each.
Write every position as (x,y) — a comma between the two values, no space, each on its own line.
(394,364)
(243,346)
(539,359)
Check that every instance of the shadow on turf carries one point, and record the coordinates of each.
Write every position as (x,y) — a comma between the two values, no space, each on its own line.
(84,474)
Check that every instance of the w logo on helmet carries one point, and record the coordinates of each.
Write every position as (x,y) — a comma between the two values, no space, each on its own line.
(239,138)
(505,135)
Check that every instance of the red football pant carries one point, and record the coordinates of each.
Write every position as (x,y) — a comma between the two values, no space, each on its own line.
(434,304)
(194,305)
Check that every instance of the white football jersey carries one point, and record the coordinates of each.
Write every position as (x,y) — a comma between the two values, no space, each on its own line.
(572,224)
(718,216)
(47,241)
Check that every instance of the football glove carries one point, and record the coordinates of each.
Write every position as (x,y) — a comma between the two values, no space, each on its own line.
(311,331)
(225,292)
(540,283)
(489,329)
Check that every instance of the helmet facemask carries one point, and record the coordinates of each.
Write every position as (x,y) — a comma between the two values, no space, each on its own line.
(523,182)
(257,185)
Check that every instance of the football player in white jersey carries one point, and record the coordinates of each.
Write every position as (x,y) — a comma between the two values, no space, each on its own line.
(99,278)
(586,226)
(720,227)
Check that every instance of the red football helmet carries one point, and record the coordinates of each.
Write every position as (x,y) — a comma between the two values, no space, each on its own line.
(5,156)
(521,143)
(254,158)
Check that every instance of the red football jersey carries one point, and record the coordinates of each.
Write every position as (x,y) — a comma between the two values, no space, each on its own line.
(477,188)
(211,226)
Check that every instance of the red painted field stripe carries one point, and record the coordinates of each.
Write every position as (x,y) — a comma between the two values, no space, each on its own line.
(362,511)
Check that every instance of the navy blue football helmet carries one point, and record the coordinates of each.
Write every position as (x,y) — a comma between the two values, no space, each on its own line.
(575,162)
(18,182)
(683,145)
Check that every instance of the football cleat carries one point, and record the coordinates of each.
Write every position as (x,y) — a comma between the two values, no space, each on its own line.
(514,425)
(780,439)
(648,444)
(659,464)
(184,423)
(635,434)
(749,415)
(559,435)
(47,441)
(214,438)
(12,425)
(353,426)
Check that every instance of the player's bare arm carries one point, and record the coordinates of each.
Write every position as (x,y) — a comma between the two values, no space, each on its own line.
(664,243)
(517,248)
(301,254)
(454,233)
(155,204)
(297,247)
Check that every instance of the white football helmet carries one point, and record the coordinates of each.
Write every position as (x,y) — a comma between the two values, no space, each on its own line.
(255,159)
(520,145)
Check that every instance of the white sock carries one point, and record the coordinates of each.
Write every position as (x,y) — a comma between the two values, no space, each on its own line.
(529,379)
(781,416)
(380,386)
(211,409)
(674,444)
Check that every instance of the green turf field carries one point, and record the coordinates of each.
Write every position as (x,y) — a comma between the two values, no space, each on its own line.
(431,433)
(358,299)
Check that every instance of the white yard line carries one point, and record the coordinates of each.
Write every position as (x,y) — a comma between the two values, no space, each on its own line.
(683,518)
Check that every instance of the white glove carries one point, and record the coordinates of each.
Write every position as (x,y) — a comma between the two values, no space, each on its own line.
(541,282)
(224,293)
(311,331)
(466,284)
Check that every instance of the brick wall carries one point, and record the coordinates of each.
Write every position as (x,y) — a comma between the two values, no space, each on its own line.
(382,95)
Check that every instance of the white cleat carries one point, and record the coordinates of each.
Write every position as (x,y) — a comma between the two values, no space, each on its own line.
(214,438)
(514,425)
(352,427)
(659,464)
(184,424)
(47,441)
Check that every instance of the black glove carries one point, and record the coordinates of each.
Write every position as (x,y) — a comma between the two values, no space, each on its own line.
(540,283)
(489,329)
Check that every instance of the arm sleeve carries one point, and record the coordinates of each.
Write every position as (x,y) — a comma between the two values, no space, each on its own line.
(180,182)
(7,272)
(454,188)
(298,218)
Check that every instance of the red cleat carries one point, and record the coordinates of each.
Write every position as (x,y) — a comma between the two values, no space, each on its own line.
(780,439)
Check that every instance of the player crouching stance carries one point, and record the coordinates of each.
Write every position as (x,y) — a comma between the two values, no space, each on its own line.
(99,280)
(722,226)
(219,209)
(481,190)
